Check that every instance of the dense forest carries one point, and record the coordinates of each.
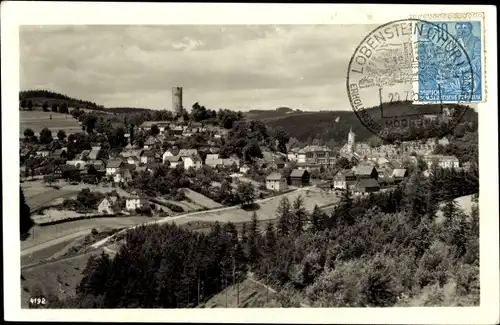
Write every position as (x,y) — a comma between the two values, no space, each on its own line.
(322,126)
(386,249)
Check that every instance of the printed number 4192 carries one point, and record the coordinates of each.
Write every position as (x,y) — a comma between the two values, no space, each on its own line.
(38,301)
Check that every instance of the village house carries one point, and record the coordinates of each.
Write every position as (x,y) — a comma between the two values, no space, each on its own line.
(60,153)
(213,162)
(113,166)
(98,165)
(150,142)
(162,126)
(365,186)
(109,205)
(133,160)
(191,161)
(365,171)
(244,169)
(399,173)
(276,182)
(77,163)
(141,169)
(299,177)
(445,162)
(315,154)
(344,179)
(212,156)
(94,153)
(42,153)
(148,156)
(135,201)
(122,176)
(173,161)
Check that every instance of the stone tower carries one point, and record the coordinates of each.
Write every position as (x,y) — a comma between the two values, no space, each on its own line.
(177,100)
(351,141)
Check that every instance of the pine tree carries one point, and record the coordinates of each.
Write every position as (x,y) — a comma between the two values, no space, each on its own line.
(299,215)
(253,248)
(284,214)
(317,220)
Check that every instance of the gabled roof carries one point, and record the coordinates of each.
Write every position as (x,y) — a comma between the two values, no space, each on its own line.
(149,124)
(399,172)
(363,170)
(274,177)
(150,141)
(212,156)
(140,169)
(94,152)
(173,158)
(367,182)
(114,163)
(213,162)
(188,152)
(148,153)
(298,172)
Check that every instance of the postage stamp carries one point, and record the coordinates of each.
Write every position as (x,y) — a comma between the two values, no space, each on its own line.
(468,30)
(387,64)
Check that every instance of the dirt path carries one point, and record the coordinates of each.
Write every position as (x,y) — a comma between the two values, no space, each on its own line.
(54,241)
(197,213)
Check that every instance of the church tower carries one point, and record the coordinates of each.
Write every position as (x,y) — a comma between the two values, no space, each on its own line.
(351,141)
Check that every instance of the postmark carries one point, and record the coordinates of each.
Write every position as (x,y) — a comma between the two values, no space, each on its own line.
(387,64)
(468,29)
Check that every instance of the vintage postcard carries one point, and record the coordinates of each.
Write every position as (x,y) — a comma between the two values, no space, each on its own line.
(257,163)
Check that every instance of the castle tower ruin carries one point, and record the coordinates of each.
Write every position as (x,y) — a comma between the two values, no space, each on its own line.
(177,100)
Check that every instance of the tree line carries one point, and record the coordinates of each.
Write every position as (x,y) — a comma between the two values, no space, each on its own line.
(385,249)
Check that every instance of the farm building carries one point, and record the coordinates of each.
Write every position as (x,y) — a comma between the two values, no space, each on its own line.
(365,186)
(276,182)
(299,177)
(365,171)
(344,179)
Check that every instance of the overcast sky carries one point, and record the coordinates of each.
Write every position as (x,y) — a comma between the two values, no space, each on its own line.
(236,67)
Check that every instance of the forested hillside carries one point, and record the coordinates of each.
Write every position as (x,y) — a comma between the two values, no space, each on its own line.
(387,249)
(323,125)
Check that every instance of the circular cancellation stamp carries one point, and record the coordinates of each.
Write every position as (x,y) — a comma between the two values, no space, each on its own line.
(389,67)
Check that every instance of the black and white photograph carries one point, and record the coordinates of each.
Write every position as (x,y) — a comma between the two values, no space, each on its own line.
(221,160)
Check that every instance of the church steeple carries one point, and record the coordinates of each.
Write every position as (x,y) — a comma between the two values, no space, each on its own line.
(351,141)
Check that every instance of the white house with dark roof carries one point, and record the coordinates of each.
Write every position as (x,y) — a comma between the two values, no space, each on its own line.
(148,156)
(445,162)
(276,182)
(113,166)
(135,201)
(109,205)
(173,161)
(191,162)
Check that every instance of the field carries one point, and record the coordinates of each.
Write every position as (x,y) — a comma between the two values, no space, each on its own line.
(38,194)
(37,120)
(265,210)
(46,236)
(201,199)
(463,202)
(60,278)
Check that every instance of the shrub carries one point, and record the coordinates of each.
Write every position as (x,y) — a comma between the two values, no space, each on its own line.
(174,207)
(94,232)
